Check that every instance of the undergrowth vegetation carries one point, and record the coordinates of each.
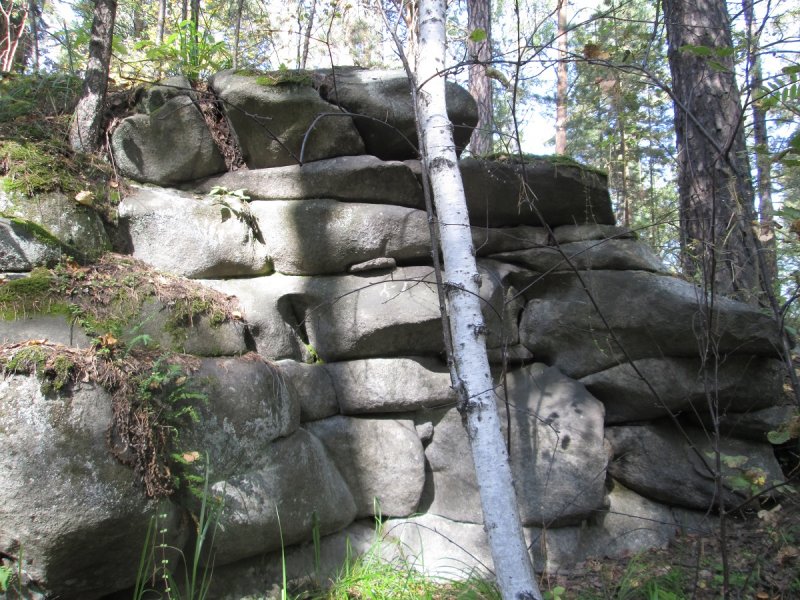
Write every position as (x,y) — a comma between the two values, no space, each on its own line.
(152,392)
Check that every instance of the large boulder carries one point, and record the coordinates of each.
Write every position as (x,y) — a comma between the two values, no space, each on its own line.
(383,385)
(248,404)
(302,566)
(534,192)
(622,255)
(76,516)
(275,117)
(649,315)
(56,329)
(144,146)
(381,460)
(314,386)
(55,220)
(558,458)
(382,98)
(394,314)
(741,384)
(208,237)
(676,467)
(21,249)
(293,489)
(363,179)
(272,308)
(313,237)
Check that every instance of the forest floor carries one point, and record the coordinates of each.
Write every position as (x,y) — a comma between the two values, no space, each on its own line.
(762,552)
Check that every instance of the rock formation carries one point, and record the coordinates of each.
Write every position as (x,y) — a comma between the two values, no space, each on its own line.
(328,403)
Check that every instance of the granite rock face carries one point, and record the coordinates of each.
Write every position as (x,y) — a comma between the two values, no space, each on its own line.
(327,400)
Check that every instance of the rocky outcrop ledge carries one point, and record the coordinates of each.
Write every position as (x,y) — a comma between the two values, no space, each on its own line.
(330,403)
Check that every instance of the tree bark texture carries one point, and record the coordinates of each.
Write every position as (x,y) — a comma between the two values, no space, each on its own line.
(480,85)
(84,134)
(561,79)
(716,193)
(462,282)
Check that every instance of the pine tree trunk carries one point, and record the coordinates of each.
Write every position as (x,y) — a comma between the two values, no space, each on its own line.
(716,194)
(480,86)
(474,381)
(561,80)
(766,212)
(84,134)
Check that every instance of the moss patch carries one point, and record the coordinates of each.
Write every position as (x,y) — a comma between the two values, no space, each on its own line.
(557,160)
(280,77)
(106,298)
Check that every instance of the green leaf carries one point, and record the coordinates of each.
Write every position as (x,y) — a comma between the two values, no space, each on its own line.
(734,462)
(478,35)
(778,437)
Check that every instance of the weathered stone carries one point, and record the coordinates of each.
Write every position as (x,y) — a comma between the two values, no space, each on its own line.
(618,255)
(158,95)
(144,146)
(381,460)
(200,337)
(657,461)
(313,237)
(493,240)
(57,329)
(294,489)
(565,234)
(500,303)
(351,317)
(742,383)
(498,195)
(273,121)
(651,316)
(77,516)
(315,389)
(557,454)
(630,525)
(208,237)
(382,385)
(375,264)
(78,228)
(250,404)
(754,425)
(22,250)
(267,306)
(383,97)
(445,549)
(262,576)
(363,179)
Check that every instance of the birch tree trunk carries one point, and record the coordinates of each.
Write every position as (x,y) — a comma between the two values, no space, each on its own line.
(474,384)
(84,133)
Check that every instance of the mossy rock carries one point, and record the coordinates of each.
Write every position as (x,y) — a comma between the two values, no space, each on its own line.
(55,219)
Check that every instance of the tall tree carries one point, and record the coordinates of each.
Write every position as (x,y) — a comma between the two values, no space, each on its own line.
(470,369)
(479,46)
(84,134)
(716,195)
(761,139)
(562,84)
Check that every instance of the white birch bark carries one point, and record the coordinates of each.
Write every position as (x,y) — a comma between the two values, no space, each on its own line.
(512,565)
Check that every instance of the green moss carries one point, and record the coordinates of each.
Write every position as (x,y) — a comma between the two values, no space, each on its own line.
(36,230)
(282,77)
(32,294)
(557,160)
